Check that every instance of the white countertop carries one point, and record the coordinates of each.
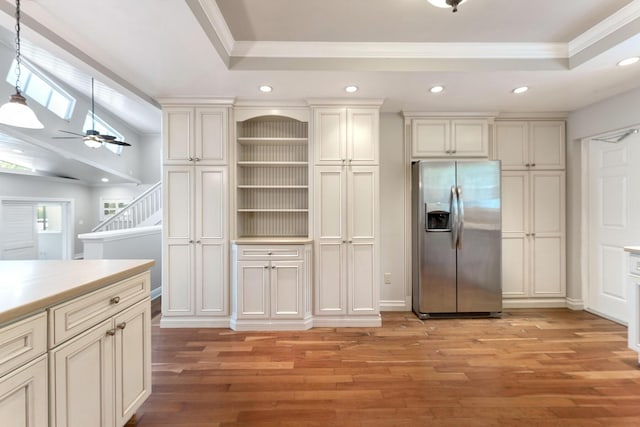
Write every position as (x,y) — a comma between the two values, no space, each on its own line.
(633,249)
(31,286)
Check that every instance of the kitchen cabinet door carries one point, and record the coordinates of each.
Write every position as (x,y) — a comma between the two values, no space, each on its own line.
(24,400)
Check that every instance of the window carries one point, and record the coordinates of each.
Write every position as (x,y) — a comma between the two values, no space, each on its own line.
(103,128)
(49,218)
(36,86)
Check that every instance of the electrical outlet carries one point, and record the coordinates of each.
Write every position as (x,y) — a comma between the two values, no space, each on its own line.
(387,278)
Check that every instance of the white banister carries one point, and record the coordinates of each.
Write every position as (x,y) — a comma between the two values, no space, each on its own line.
(144,210)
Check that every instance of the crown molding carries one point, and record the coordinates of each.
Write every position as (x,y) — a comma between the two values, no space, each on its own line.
(457,114)
(187,101)
(218,23)
(325,102)
(604,28)
(367,50)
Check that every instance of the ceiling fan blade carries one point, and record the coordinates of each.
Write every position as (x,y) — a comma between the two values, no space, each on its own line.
(72,133)
(108,137)
(116,142)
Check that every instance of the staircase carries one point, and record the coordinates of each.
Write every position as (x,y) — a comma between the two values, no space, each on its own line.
(145,210)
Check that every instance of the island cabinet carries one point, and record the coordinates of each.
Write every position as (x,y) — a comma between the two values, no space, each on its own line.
(100,356)
(23,373)
(633,287)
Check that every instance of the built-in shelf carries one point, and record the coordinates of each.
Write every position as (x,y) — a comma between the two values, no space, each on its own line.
(272,177)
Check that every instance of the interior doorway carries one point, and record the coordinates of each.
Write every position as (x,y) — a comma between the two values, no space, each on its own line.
(36,229)
(613,221)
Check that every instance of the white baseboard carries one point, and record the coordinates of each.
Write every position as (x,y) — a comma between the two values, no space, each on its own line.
(396,305)
(271,325)
(194,322)
(575,304)
(534,303)
(156,292)
(369,321)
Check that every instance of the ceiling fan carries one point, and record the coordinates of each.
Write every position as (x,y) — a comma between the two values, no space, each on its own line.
(92,137)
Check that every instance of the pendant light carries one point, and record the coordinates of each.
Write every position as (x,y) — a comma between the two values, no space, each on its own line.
(16,112)
(447,3)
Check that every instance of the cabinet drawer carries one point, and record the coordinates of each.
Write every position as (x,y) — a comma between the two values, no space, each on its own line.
(634,264)
(22,341)
(80,314)
(270,252)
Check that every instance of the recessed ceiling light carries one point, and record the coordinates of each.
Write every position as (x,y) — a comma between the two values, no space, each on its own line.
(521,89)
(17,150)
(629,61)
(436,89)
(265,88)
(351,89)
(105,180)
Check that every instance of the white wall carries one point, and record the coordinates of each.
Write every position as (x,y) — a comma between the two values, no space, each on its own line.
(124,192)
(13,185)
(611,114)
(393,249)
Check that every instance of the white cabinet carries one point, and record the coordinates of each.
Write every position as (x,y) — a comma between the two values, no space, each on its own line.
(346,136)
(23,373)
(533,230)
(533,145)
(432,137)
(271,286)
(196,135)
(195,278)
(633,286)
(346,230)
(100,373)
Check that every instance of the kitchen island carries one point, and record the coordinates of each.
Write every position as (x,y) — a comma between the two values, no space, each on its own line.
(633,304)
(75,341)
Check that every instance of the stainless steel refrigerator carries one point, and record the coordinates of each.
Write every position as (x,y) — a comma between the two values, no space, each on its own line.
(456,238)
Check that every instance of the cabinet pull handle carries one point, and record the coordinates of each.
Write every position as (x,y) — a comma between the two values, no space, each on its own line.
(350,241)
(533,165)
(453,151)
(122,325)
(343,160)
(350,161)
(111,332)
(197,159)
(269,253)
(533,234)
(344,241)
(198,241)
(191,159)
(273,267)
(266,266)
(114,300)
(527,165)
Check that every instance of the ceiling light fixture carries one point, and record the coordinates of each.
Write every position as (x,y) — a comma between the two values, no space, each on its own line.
(17,150)
(436,89)
(16,112)
(521,89)
(628,61)
(351,89)
(265,88)
(105,180)
(447,3)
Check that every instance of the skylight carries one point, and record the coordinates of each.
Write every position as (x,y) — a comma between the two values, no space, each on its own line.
(38,87)
(103,128)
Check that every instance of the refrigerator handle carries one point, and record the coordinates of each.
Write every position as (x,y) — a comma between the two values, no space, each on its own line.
(454,217)
(460,216)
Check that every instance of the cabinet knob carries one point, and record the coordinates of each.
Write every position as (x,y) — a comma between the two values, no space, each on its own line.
(273,267)
(528,165)
(533,234)
(122,325)
(190,241)
(344,241)
(269,253)
(198,241)
(266,266)
(191,159)
(114,300)
(350,161)
(197,159)
(343,160)
(453,151)
(350,241)
(111,332)
(533,165)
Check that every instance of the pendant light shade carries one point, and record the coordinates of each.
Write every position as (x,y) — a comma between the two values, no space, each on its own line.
(447,3)
(16,112)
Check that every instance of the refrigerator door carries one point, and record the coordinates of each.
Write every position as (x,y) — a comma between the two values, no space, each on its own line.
(479,237)
(434,248)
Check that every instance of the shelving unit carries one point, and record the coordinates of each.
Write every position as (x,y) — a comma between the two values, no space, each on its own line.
(272,177)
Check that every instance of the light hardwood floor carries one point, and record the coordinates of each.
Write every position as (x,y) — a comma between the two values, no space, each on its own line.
(543,367)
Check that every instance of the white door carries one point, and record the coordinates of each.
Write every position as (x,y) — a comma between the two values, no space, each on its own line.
(515,234)
(253,289)
(24,397)
(614,179)
(287,278)
(19,230)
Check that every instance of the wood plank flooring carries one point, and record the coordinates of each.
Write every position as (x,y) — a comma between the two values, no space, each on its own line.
(543,367)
